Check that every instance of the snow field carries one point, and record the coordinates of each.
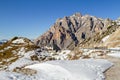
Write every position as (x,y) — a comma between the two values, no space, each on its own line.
(84,69)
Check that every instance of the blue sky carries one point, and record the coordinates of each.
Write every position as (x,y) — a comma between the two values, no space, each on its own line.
(31,18)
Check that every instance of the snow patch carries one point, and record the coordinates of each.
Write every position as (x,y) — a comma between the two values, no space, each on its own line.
(18,41)
(21,51)
(7,48)
(105,38)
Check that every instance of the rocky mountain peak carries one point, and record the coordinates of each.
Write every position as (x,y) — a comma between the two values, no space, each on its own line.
(72,30)
(77,15)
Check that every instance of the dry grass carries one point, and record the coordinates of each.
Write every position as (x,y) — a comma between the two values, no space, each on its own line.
(25,71)
(113,44)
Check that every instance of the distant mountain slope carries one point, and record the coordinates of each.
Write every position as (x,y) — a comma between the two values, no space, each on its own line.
(71,31)
(3,41)
(14,49)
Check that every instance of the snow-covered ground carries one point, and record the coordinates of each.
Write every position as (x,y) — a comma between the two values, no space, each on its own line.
(84,69)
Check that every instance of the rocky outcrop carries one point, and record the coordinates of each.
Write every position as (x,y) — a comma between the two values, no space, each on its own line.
(72,30)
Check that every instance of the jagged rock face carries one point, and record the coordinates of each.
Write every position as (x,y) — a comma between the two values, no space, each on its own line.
(72,30)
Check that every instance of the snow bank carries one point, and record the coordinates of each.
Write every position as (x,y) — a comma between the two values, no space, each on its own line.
(18,41)
(85,69)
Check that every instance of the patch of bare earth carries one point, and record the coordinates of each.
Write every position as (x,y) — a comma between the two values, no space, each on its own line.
(114,72)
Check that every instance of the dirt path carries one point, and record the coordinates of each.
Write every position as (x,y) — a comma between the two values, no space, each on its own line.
(114,72)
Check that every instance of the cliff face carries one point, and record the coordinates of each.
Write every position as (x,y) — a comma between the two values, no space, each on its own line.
(72,30)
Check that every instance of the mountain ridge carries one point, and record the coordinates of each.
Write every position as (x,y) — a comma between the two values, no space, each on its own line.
(73,30)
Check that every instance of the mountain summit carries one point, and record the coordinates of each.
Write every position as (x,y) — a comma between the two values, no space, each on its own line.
(72,30)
